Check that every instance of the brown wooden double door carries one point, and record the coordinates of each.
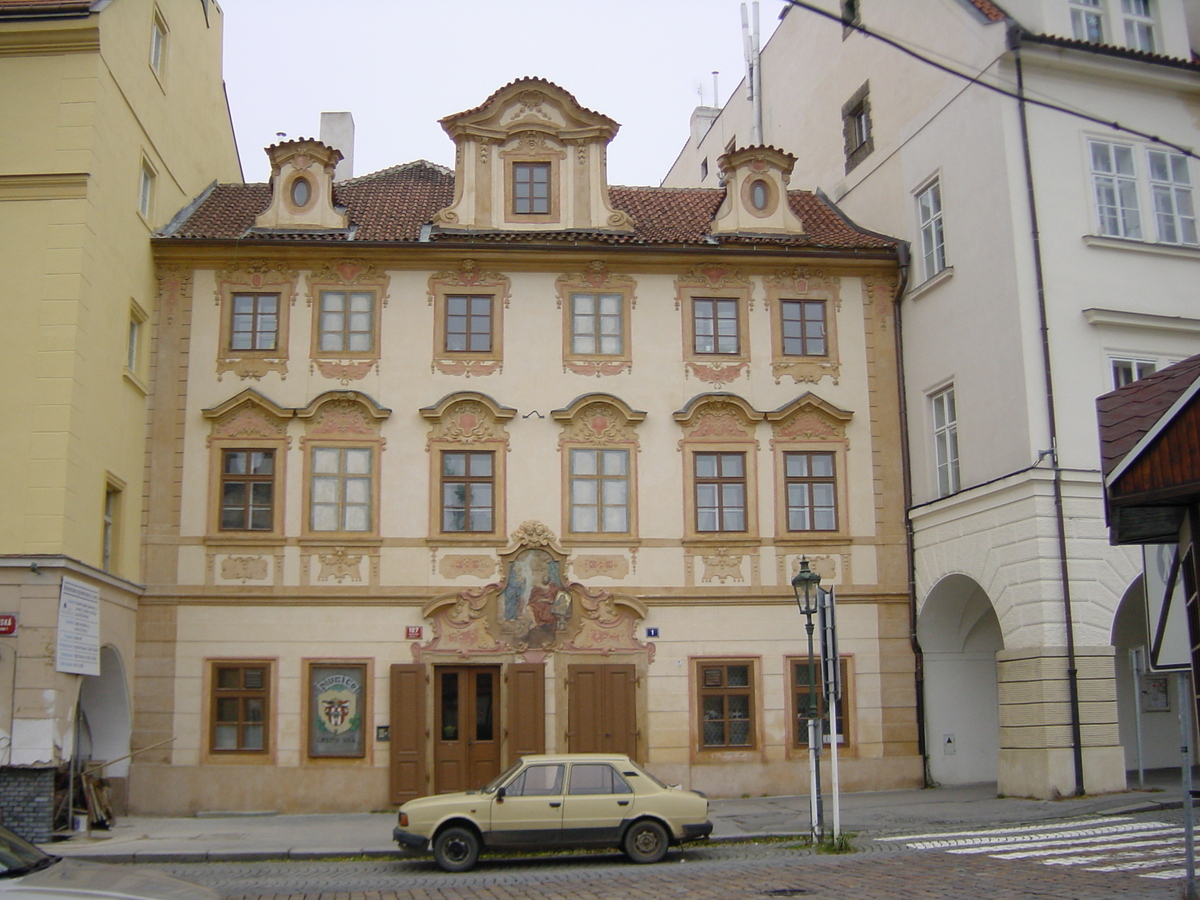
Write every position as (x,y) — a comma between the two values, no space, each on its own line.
(482,718)
(602,709)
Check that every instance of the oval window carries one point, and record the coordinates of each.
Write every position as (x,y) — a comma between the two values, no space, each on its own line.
(301,192)
(760,195)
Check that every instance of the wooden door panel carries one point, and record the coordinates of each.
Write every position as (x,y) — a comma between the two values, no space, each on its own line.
(602,709)
(407,770)
(526,721)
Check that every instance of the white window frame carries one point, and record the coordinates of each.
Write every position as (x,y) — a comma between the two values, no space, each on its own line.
(1087,20)
(1171,196)
(1115,190)
(146,180)
(1138,16)
(944,413)
(931,227)
(604,492)
(158,43)
(347,494)
(1137,368)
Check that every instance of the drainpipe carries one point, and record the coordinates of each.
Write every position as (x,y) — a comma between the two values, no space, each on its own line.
(1059,516)
(910,555)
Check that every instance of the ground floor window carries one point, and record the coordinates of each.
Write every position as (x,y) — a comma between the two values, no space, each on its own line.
(802,693)
(240,697)
(726,702)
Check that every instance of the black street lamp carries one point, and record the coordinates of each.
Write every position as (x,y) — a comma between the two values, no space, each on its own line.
(804,585)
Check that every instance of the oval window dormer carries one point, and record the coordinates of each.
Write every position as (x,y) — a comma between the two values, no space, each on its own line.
(301,192)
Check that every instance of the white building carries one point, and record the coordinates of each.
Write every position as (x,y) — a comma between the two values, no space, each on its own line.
(1053,258)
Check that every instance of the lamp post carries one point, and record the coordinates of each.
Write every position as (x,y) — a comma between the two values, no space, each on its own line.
(804,585)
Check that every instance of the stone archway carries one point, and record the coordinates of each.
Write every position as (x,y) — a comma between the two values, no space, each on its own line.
(1160,727)
(106,720)
(960,636)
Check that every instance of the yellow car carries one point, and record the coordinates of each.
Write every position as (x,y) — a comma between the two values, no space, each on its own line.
(571,800)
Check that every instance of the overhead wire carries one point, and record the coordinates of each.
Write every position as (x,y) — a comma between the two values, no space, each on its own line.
(977,80)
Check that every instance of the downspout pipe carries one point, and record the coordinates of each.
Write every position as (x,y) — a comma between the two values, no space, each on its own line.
(905,258)
(1059,515)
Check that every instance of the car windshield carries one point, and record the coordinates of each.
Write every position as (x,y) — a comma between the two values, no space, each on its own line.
(18,856)
(491,786)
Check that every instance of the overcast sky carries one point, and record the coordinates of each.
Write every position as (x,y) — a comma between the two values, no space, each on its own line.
(400,65)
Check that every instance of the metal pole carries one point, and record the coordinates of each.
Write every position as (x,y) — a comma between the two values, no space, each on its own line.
(833,772)
(814,736)
(1186,699)
(1135,667)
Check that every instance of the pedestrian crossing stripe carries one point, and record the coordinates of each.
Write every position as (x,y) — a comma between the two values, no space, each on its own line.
(1107,844)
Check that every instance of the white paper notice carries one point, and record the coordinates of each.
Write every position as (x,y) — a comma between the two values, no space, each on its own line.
(78,649)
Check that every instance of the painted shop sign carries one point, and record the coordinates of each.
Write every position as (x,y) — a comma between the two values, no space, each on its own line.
(78,646)
(336,707)
(8,625)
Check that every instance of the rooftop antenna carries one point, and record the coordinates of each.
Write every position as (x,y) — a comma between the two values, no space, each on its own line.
(750,45)
(716,93)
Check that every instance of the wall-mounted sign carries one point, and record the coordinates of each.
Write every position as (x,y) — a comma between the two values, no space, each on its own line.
(413,632)
(336,709)
(8,625)
(652,632)
(78,647)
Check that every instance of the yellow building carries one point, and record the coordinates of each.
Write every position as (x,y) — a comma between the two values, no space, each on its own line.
(112,117)
(447,467)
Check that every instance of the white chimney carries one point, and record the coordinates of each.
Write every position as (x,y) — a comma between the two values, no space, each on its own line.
(337,130)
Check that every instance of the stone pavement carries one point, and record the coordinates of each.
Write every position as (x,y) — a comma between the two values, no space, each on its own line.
(215,837)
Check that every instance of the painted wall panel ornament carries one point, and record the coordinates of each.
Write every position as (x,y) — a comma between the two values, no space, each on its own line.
(340,566)
(598,423)
(348,273)
(469,275)
(248,422)
(342,417)
(722,566)
(714,277)
(534,611)
(345,372)
(244,568)
(719,420)
(174,287)
(832,567)
(717,373)
(809,418)
(468,422)
(610,566)
(475,566)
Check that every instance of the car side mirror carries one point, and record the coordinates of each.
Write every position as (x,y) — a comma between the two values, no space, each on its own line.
(501,793)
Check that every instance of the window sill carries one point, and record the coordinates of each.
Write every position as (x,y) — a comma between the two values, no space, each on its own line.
(930,283)
(138,384)
(1113,243)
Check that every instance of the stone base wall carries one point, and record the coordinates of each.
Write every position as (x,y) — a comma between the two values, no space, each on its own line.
(1036,745)
(27,802)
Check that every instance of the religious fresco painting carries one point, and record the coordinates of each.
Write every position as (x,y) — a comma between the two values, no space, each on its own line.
(536,604)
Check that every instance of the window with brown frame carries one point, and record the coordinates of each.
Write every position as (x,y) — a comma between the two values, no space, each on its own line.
(254,323)
(715,324)
(240,707)
(856,127)
(597,324)
(599,491)
(346,323)
(803,328)
(468,323)
(247,490)
(531,188)
(719,482)
(810,481)
(342,489)
(726,700)
(468,491)
(801,694)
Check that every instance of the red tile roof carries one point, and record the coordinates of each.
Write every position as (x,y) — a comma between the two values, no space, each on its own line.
(394,204)
(990,10)
(1129,413)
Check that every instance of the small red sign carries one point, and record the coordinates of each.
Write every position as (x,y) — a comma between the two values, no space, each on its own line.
(413,632)
(8,625)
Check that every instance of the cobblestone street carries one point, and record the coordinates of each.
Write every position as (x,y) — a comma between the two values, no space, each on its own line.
(717,872)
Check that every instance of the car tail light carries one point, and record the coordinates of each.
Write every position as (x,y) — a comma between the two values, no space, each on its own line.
(403,820)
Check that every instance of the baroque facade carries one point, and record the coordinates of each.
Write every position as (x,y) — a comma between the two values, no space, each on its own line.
(450,466)
(1054,256)
(101,106)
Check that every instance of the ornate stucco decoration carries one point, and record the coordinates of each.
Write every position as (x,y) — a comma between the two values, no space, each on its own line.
(535,121)
(350,275)
(468,417)
(345,415)
(808,418)
(598,419)
(608,565)
(596,279)
(302,188)
(802,283)
(756,201)
(340,565)
(174,290)
(463,565)
(718,417)
(244,568)
(722,566)
(469,279)
(248,416)
(254,276)
(535,610)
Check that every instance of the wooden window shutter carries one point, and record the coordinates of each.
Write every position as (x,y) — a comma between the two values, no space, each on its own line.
(526,710)
(409,778)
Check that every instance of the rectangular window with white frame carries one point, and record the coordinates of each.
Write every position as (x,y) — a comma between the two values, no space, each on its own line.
(1120,183)
(599,491)
(1126,371)
(933,241)
(1115,183)
(1087,20)
(341,489)
(146,189)
(1171,190)
(945,441)
(158,43)
(1139,24)
(597,326)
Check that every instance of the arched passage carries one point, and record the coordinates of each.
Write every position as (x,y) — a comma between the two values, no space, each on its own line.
(104,708)
(960,636)
(1159,726)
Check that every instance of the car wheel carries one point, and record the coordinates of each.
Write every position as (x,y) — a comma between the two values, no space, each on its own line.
(456,849)
(646,842)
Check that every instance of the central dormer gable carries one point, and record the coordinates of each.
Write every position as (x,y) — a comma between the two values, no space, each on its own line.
(302,188)
(530,158)
(756,193)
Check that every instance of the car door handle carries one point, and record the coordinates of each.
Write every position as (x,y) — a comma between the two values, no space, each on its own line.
(622,803)
(555,803)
